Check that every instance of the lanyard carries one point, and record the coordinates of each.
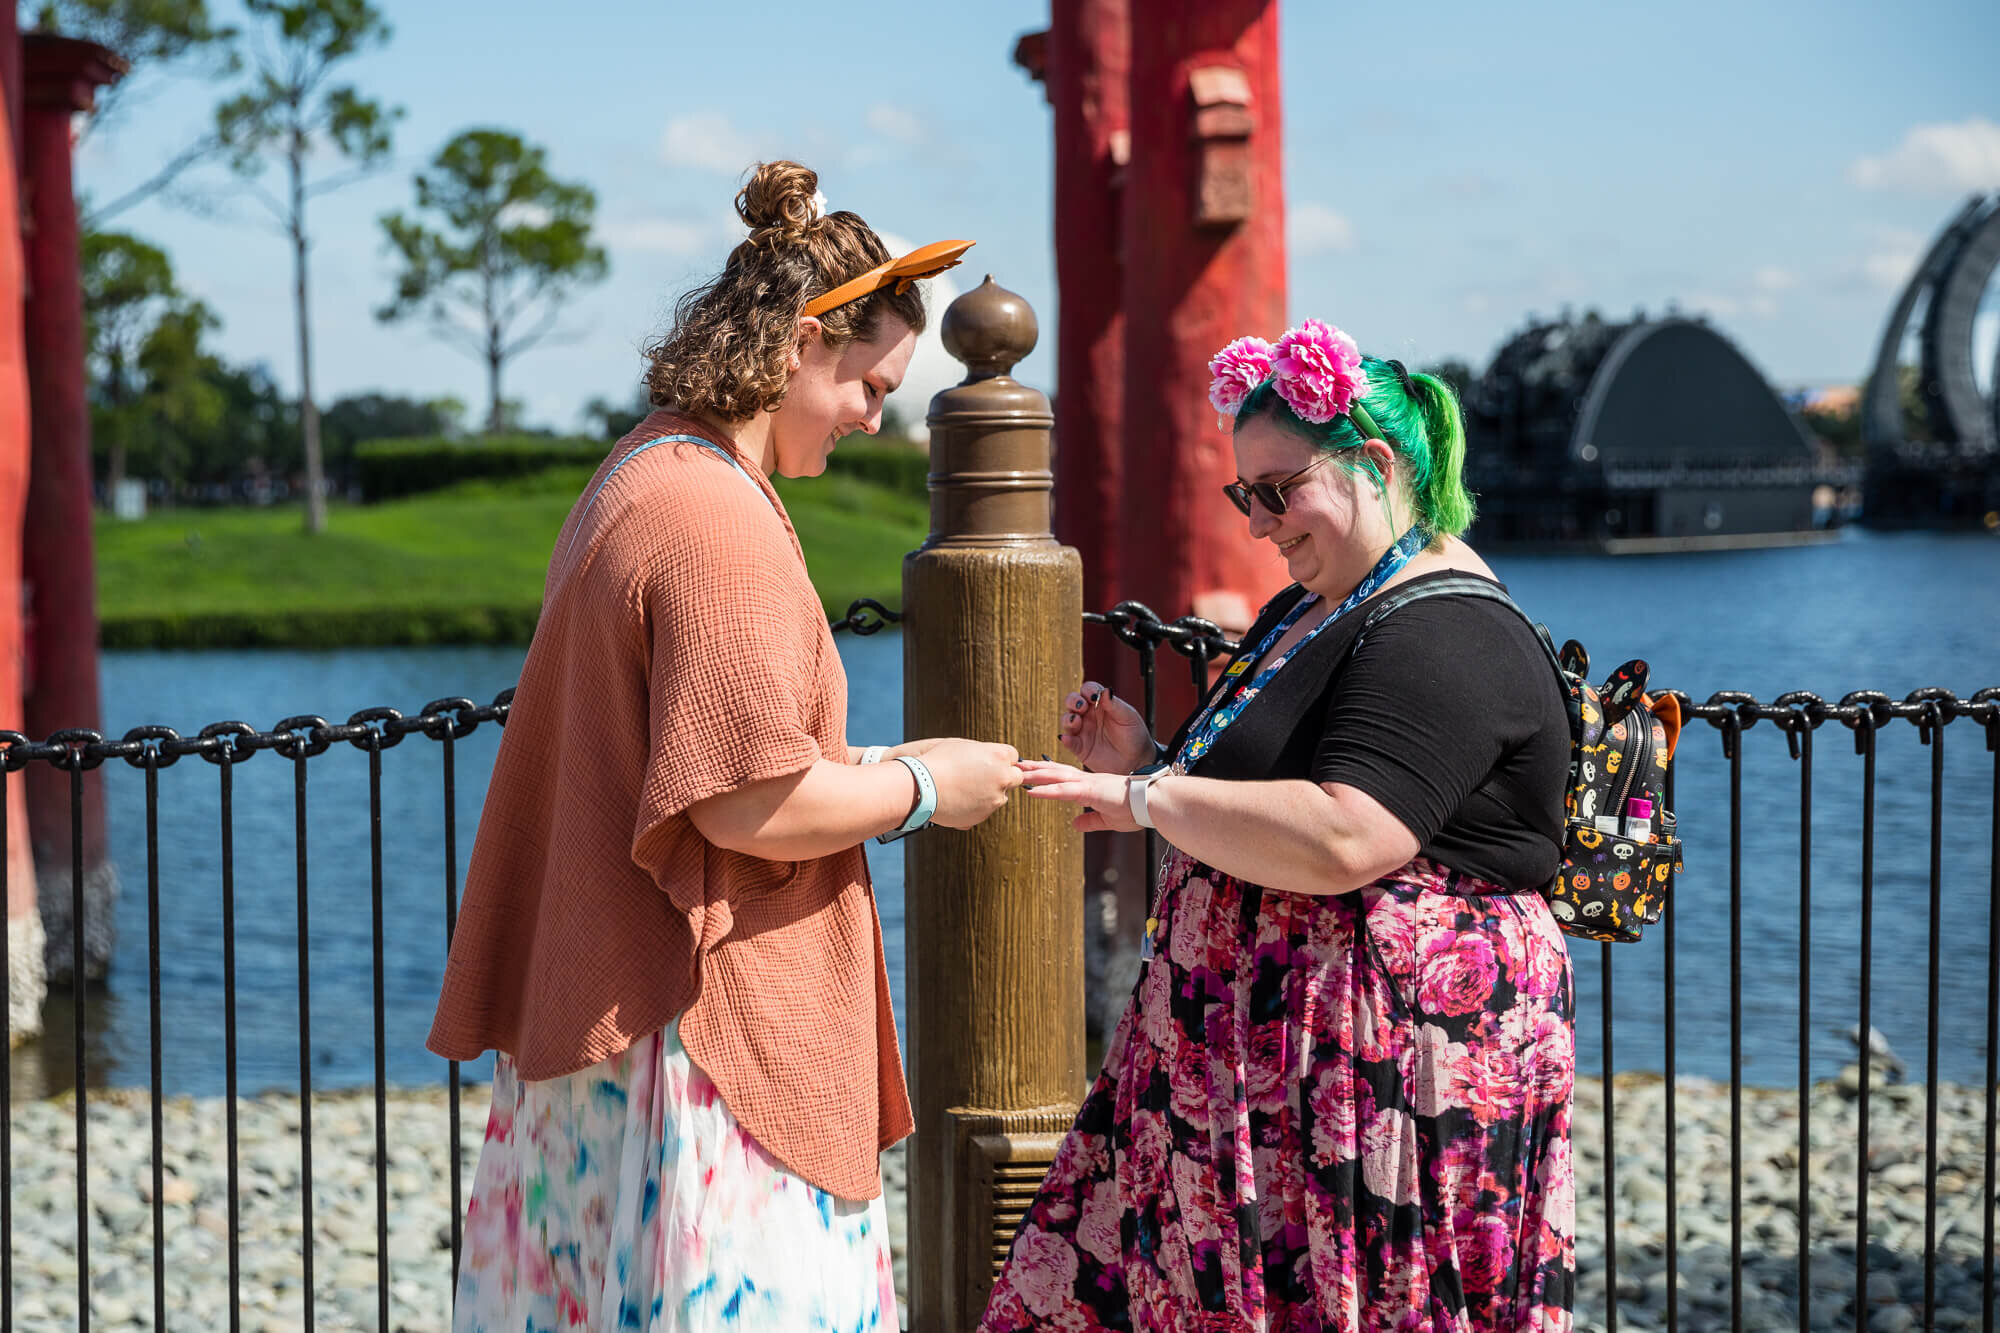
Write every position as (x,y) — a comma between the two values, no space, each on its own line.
(709,445)
(1214,721)
(1218,716)
(730,459)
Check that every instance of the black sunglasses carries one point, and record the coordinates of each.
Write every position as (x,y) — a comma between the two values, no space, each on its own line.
(1270,494)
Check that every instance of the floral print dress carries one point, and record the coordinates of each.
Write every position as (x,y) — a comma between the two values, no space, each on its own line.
(626,1196)
(1347,1112)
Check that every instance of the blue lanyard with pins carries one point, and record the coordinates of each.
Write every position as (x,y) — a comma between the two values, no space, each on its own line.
(1219,715)
(1201,736)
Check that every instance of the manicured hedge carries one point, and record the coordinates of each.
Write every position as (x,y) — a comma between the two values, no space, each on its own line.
(902,468)
(388,469)
(282,627)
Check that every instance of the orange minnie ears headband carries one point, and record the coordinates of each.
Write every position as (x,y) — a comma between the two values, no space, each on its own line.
(924,262)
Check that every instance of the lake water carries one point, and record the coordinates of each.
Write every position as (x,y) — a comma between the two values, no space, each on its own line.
(1868,612)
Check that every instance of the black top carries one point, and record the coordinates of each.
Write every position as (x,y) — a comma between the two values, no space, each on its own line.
(1448,713)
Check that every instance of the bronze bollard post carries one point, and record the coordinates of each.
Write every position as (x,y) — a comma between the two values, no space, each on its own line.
(992,640)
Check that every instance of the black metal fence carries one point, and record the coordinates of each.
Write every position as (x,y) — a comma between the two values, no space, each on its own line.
(1798,717)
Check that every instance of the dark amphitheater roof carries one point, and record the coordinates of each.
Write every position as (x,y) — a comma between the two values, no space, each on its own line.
(1647,393)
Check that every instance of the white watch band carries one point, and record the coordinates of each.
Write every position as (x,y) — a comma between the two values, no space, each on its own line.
(1136,788)
(873,754)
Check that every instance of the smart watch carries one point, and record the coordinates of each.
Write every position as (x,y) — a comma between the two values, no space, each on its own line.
(1136,787)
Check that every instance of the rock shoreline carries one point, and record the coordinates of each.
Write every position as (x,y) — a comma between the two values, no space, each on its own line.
(344,1210)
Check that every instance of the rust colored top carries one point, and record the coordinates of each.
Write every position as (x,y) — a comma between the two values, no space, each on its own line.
(682,652)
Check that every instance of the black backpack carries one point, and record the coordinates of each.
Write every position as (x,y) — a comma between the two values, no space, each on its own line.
(1608,885)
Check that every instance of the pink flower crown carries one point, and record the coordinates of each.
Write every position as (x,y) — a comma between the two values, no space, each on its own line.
(1315,368)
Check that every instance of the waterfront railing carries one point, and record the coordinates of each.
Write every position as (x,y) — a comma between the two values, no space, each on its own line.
(1832,1283)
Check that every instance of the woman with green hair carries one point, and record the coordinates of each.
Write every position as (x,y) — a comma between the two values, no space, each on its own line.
(1340,1096)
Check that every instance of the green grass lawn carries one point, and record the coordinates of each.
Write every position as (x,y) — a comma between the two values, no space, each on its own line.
(463,565)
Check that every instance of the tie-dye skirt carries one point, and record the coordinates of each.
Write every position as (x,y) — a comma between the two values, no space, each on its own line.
(1337,1113)
(626,1196)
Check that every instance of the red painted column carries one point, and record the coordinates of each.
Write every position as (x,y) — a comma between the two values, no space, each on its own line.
(58,572)
(1084,61)
(1204,234)
(25,981)
(10,84)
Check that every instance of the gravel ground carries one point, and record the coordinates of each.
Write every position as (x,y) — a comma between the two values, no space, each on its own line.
(345,1247)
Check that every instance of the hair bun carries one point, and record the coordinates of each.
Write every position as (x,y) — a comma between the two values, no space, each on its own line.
(779,195)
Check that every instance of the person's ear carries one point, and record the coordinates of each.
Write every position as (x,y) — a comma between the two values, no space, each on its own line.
(810,331)
(1382,455)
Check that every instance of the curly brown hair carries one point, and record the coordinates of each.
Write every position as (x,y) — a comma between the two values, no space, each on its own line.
(727,354)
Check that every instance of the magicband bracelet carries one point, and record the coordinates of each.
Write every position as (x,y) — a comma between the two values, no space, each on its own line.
(926,799)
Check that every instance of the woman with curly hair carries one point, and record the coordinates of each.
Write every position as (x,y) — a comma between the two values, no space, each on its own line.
(1340,1096)
(668,934)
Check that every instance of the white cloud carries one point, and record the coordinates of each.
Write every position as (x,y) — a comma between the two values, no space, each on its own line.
(894,122)
(1936,159)
(1771,279)
(661,236)
(1757,297)
(1891,258)
(707,141)
(1314,228)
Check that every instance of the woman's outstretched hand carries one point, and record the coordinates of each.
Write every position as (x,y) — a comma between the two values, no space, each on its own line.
(973,779)
(1100,798)
(1104,731)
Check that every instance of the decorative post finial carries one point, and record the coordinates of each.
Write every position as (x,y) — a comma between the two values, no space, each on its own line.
(990,329)
(990,479)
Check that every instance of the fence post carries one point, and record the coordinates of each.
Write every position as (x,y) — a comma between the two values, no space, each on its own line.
(992,640)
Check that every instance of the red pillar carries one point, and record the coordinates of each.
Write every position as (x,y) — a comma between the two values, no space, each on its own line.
(1084,62)
(58,571)
(10,84)
(1204,263)
(24,920)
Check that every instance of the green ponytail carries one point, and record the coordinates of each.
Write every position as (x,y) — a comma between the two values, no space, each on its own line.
(1447,507)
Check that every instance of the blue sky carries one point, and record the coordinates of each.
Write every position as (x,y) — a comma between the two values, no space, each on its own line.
(1450,168)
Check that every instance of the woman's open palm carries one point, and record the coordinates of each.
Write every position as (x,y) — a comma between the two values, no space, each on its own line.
(1104,731)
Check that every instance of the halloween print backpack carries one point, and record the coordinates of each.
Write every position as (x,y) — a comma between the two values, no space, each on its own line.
(1616,871)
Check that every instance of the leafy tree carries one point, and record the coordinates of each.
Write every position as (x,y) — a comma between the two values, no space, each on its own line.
(377,416)
(290,113)
(179,398)
(609,420)
(152,35)
(256,432)
(148,31)
(495,247)
(149,373)
(381,416)
(249,430)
